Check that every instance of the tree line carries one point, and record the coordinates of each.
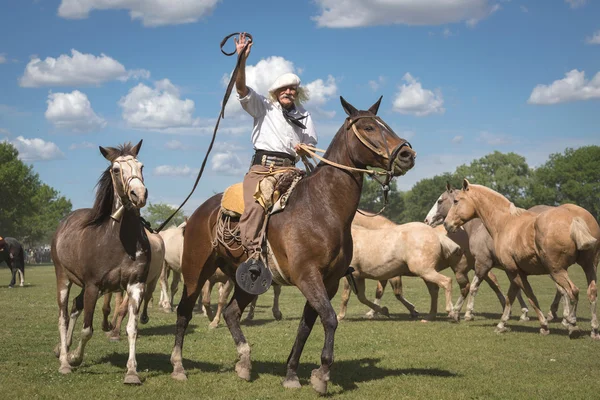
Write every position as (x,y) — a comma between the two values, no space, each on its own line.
(30,209)
(569,177)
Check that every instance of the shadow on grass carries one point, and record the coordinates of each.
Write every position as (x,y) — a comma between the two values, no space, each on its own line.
(17,287)
(162,330)
(347,373)
(158,363)
(554,330)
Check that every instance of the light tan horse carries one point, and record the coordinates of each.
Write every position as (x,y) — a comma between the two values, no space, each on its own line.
(535,244)
(413,249)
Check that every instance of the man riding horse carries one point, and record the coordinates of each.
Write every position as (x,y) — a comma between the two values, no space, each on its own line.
(280,125)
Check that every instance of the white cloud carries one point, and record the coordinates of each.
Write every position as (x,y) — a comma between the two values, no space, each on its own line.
(262,75)
(75,70)
(413,99)
(175,145)
(4,131)
(356,13)
(595,39)
(446,33)
(573,87)
(159,109)
(73,111)
(172,170)
(82,145)
(494,139)
(524,9)
(376,84)
(36,149)
(2,58)
(457,139)
(228,163)
(576,3)
(151,12)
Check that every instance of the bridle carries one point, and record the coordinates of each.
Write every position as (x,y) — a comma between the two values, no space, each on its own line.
(122,186)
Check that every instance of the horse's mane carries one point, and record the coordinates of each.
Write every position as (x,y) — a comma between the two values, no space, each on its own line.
(105,196)
(512,209)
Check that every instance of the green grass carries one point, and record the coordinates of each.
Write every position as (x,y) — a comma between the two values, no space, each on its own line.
(383,358)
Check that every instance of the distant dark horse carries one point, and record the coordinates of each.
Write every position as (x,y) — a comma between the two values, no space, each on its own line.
(103,249)
(311,241)
(11,252)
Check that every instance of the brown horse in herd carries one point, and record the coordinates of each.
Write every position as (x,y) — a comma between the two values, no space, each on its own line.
(311,241)
(527,243)
(101,254)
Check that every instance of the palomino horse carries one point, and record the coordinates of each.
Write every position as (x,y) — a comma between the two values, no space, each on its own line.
(11,252)
(413,249)
(102,254)
(481,245)
(535,244)
(311,240)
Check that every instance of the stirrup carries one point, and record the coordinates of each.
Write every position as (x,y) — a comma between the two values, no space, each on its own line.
(253,276)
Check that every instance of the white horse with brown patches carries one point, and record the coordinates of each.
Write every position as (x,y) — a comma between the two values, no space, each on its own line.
(413,249)
(535,244)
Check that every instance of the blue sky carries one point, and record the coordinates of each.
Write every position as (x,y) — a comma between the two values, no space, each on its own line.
(459,79)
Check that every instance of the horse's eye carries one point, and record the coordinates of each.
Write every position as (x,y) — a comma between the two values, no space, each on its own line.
(369,128)
(440,201)
(455,201)
(117,170)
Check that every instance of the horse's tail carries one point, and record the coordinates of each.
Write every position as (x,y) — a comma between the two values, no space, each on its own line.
(580,233)
(449,248)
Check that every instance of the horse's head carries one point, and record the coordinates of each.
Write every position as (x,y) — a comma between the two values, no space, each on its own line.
(379,146)
(462,210)
(127,175)
(440,209)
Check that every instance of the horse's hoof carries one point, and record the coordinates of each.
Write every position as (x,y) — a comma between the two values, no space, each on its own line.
(468,317)
(249,317)
(277,315)
(565,323)
(595,335)
(179,374)
(501,329)
(340,318)
(319,382)
(574,332)
(524,318)
(545,331)
(144,319)
(57,350)
(414,315)
(10,286)
(292,383)
(371,315)
(385,311)
(168,310)
(73,361)
(243,372)
(65,369)
(454,317)
(21,285)
(131,378)
(213,325)
(107,328)
(113,337)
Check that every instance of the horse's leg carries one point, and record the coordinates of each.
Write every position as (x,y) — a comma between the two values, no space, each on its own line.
(513,289)
(396,284)
(148,293)
(232,314)
(224,292)
(276,311)
(21,276)
(553,313)
(434,281)
(76,308)
(521,280)
(206,292)
(250,315)
(378,295)
(589,263)
(90,297)
(135,292)
(174,287)
(463,282)
(345,299)
(13,272)
(571,296)
(106,326)
(318,302)
(63,287)
(198,272)
(360,294)
(121,305)
(164,283)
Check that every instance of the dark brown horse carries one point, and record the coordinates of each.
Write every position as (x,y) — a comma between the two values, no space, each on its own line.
(311,241)
(103,254)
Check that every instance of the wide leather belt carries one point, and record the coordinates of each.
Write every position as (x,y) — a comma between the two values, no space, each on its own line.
(267,160)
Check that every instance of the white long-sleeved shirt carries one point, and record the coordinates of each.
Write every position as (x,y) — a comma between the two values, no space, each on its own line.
(271,131)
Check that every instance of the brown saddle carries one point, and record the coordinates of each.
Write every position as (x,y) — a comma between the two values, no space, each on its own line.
(271,192)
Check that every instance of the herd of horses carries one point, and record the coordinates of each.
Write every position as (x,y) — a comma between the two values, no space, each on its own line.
(316,239)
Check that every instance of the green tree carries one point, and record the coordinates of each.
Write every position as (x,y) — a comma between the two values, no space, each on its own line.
(29,209)
(507,174)
(419,200)
(572,177)
(157,213)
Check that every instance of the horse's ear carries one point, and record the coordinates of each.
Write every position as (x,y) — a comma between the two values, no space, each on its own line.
(106,153)
(465,184)
(448,186)
(137,148)
(375,107)
(348,108)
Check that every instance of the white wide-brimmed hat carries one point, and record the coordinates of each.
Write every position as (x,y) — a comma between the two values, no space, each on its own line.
(288,79)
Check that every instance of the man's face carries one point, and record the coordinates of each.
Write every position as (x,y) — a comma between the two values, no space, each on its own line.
(287,95)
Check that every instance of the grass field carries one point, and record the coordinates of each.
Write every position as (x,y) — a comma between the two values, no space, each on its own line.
(383,358)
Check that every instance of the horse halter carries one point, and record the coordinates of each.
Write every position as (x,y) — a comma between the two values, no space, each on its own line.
(390,156)
(123,186)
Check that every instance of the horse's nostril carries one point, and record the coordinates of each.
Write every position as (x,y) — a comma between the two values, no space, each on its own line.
(405,154)
(133,195)
(146,195)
